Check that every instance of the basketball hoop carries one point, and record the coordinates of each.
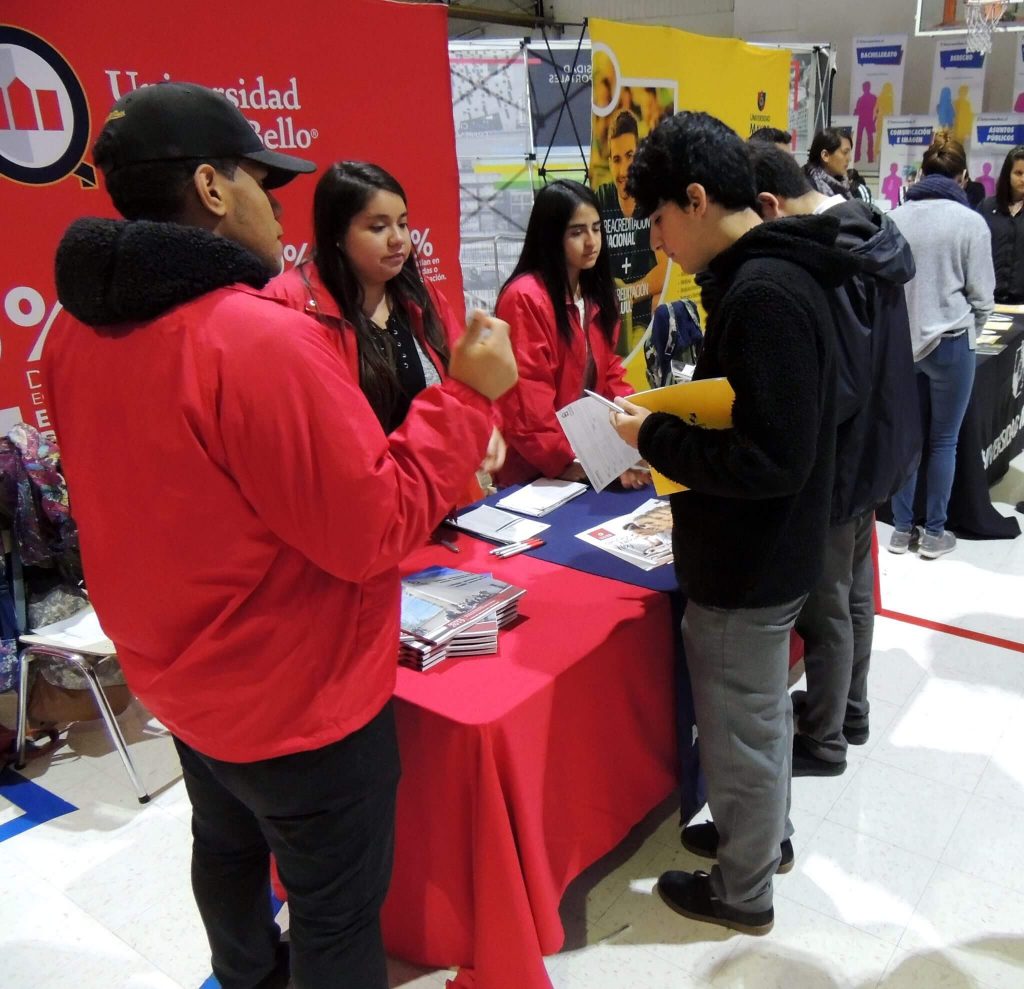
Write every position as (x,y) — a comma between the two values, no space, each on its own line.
(983,16)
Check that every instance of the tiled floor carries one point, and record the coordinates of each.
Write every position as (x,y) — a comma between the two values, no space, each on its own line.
(909,870)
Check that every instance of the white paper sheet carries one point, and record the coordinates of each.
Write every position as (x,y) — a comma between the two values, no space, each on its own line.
(499,526)
(79,633)
(600,450)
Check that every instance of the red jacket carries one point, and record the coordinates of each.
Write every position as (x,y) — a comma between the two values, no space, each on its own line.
(314,299)
(242,515)
(550,377)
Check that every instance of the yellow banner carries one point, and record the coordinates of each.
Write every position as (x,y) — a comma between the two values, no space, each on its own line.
(642,74)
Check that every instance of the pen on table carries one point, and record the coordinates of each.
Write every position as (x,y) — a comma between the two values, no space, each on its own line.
(498,550)
(448,544)
(512,549)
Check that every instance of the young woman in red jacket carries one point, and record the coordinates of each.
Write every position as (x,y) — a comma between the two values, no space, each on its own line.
(393,329)
(560,304)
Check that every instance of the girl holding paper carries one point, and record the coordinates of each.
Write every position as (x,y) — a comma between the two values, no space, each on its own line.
(394,329)
(560,304)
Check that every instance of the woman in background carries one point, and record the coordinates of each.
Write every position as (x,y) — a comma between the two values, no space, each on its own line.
(827,162)
(1005,218)
(560,304)
(948,300)
(363,282)
(858,187)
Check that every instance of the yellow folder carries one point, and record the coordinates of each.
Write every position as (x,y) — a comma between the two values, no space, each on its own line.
(706,403)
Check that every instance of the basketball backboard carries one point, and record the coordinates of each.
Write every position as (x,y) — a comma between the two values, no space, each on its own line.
(941,17)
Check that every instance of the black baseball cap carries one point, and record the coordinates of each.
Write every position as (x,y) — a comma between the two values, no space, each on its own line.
(176,120)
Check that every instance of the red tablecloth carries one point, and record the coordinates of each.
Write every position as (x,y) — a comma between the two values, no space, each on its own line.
(520,770)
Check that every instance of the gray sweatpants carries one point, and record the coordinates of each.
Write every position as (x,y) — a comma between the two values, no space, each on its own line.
(739,665)
(837,625)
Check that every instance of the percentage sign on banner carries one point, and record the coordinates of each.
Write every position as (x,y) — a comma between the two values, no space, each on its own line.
(421,241)
(294,254)
(26,307)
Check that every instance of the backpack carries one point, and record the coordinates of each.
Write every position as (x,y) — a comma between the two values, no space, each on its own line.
(673,342)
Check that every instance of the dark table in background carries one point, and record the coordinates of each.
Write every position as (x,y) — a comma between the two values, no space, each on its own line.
(999,401)
(992,434)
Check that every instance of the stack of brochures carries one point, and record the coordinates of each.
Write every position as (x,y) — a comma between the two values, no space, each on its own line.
(448,612)
(993,338)
(542,496)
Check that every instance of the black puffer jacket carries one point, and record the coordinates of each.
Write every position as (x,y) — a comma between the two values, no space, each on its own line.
(1007,251)
(750,532)
(878,443)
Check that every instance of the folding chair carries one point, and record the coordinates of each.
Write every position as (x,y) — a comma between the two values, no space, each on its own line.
(82,664)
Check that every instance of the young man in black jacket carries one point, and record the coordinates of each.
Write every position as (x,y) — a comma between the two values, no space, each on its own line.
(749,534)
(878,446)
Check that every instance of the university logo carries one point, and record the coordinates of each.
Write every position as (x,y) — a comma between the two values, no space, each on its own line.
(1017,382)
(762,98)
(44,116)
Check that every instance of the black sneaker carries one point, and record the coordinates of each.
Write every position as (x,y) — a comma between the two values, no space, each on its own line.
(856,736)
(807,764)
(689,894)
(702,840)
(853,736)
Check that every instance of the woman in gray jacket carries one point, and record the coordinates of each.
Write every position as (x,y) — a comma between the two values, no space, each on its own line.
(948,300)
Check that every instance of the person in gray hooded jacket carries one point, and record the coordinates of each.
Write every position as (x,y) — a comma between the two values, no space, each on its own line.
(878,447)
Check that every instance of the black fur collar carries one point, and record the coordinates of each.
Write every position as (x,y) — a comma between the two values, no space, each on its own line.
(118,271)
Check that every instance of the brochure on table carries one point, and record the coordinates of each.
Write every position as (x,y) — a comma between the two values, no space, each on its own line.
(498,526)
(543,495)
(643,537)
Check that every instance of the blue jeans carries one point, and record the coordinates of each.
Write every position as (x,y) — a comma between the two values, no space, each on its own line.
(950,372)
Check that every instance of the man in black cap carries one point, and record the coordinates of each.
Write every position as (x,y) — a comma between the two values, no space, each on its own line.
(242,516)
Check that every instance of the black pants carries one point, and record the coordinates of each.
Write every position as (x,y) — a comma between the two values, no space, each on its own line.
(329,817)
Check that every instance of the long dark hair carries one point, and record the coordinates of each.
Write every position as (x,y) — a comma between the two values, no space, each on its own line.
(543,255)
(341,194)
(1004,195)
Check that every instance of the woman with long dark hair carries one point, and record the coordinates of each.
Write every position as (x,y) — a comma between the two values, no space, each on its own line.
(948,300)
(363,282)
(828,162)
(1004,214)
(561,306)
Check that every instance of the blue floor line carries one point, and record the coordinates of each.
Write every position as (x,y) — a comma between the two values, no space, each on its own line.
(39,805)
(275,906)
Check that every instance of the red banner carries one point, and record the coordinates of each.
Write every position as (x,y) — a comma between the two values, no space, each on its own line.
(365,80)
